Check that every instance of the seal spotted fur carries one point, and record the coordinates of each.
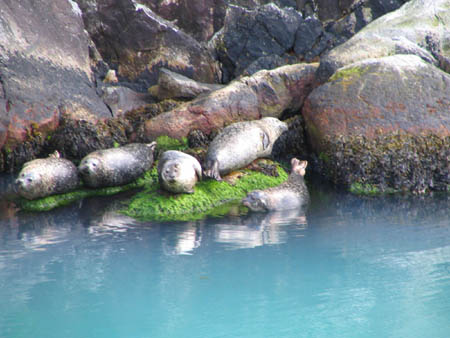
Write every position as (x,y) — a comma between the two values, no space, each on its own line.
(47,176)
(291,194)
(178,172)
(238,144)
(116,166)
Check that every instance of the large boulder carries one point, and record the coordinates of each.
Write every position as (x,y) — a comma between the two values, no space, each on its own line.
(136,42)
(418,27)
(44,71)
(266,93)
(383,121)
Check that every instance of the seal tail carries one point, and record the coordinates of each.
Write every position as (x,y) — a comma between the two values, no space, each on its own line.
(212,170)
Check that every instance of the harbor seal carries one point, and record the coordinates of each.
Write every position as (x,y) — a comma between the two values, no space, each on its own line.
(47,176)
(116,166)
(238,144)
(178,172)
(291,194)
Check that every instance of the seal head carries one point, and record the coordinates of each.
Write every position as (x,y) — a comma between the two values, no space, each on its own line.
(291,194)
(178,172)
(46,176)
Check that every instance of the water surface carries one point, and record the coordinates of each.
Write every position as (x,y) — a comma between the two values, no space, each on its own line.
(348,267)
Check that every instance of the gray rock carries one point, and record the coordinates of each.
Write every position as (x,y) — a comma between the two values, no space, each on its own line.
(176,86)
(136,42)
(404,31)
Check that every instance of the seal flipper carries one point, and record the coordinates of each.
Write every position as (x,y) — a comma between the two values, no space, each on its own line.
(198,170)
(212,170)
(265,140)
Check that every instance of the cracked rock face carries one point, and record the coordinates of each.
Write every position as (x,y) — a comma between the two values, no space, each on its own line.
(137,42)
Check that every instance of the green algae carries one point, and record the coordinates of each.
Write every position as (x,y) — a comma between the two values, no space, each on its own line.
(358,188)
(54,201)
(398,162)
(164,143)
(211,198)
(348,73)
(152,204)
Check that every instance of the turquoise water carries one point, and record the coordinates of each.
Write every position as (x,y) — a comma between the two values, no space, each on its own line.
(349,267)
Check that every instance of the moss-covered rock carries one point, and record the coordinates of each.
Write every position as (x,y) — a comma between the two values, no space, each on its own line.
(387,164)
(152,204)
(54,201)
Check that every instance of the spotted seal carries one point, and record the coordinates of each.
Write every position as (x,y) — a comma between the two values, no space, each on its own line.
(178,172)
(116,166)
(238,144)
(47,176)
(291,194)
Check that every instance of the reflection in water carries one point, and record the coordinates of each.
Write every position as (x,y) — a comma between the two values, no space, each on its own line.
(184,241)
(349,267)
(259,229)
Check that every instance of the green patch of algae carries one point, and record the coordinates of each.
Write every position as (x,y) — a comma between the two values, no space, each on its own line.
(210,197)
(54,201)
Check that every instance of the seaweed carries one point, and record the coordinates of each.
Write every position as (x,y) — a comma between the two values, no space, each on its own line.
(153,204)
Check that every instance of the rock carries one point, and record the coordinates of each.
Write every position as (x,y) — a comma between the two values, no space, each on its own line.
(136,42)
(266,93)
(408,30)
(250,34)
(44,70)
(121,99)
(176,86)
(372,107)
(200,18)
(330,10)
(257,35)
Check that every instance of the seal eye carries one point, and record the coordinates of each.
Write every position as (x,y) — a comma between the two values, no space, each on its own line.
(29,180)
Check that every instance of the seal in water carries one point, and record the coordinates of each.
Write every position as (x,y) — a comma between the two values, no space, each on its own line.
(291,194)
(47,176)
(116,166)
(238,144)
(178,172)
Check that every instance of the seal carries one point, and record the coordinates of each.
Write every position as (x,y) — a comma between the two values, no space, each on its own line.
(116,166)
(178,172)
(238,144)
(291,194)
(47,176)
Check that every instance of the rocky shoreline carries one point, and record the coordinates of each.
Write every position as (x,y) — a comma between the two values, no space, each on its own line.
(364,85)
